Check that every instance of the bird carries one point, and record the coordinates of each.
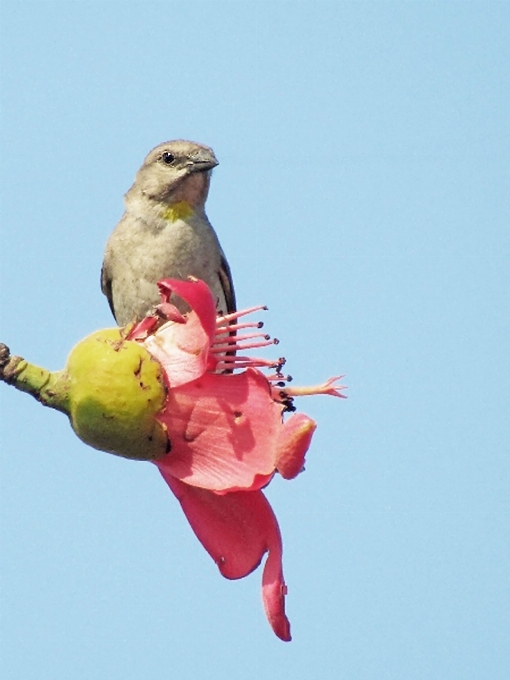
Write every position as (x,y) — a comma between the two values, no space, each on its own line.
(165,233)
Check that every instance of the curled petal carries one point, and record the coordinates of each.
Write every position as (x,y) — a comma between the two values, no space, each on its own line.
(182,344)
(182,349)
(143,329)
(198,296)
(169,312)
(293,442)
(223,430)
(237,529)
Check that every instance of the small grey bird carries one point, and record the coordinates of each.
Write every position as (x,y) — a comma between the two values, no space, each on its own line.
(165,232)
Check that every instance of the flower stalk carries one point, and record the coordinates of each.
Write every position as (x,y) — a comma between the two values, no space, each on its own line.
(49,388)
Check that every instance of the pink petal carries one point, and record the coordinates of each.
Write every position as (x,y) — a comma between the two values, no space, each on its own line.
(182,349)
(143,328)
(170,312)
(182,345)
(293,442)
(198,296)
(237,529)
(223,431)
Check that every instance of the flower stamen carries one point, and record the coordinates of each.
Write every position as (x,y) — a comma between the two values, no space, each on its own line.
(328,387)
(247,336)
(222,330)
(235,315)
(234,345)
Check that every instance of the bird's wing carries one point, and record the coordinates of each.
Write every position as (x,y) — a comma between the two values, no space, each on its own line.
(106,286)
(227,284)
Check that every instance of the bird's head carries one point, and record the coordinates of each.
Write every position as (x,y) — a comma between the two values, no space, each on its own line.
(176,171)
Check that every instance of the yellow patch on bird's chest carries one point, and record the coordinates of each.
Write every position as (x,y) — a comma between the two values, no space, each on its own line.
(177,211)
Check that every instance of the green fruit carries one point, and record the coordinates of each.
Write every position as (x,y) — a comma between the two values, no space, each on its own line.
(115,390)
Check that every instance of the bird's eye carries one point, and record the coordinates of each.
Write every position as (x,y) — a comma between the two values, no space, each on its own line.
(167,157)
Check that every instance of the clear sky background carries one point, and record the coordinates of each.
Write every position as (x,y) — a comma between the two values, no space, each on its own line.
(363,195)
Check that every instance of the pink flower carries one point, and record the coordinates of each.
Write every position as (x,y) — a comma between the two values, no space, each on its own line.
(227,433)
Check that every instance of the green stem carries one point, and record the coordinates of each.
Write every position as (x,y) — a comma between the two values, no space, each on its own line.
(49,388)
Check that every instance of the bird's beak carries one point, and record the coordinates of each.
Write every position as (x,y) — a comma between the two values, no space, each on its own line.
(202,160)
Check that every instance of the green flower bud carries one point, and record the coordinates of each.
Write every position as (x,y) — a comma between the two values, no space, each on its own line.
(115,390)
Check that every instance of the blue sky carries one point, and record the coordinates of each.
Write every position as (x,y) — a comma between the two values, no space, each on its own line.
(362,194)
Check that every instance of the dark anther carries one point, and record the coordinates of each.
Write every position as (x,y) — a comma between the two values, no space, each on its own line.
(288,405)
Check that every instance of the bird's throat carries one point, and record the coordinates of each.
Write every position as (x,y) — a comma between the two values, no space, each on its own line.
(177,211)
